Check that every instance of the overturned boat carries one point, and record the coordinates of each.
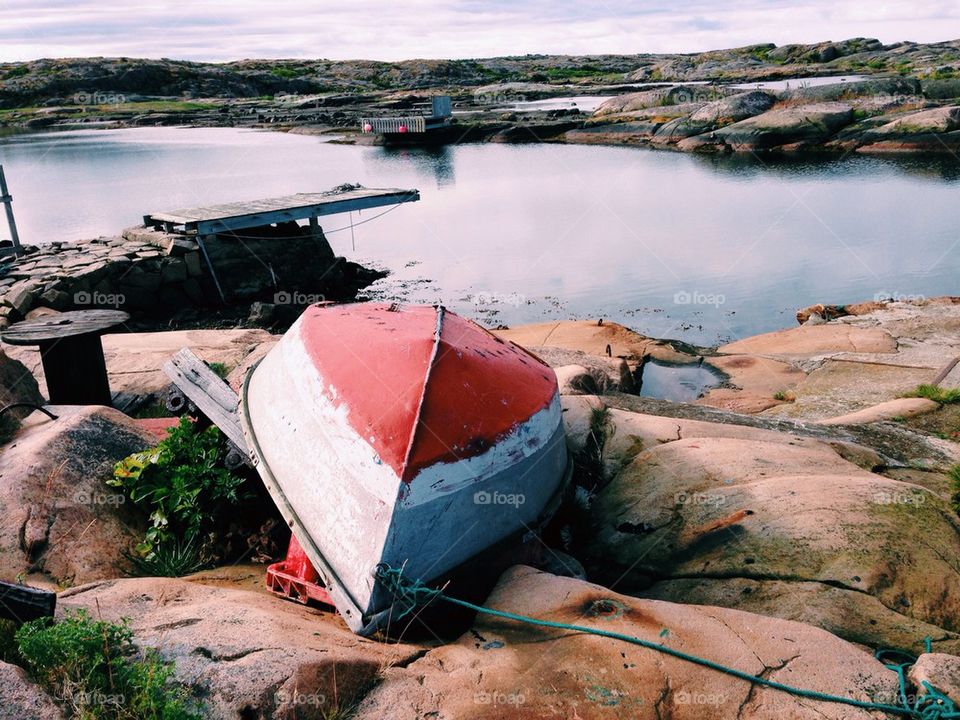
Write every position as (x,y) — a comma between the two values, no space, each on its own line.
(403,435)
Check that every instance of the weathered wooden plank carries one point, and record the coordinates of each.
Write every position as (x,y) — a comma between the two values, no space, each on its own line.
(292,207)
(21,603)
(212,396)
(51,328)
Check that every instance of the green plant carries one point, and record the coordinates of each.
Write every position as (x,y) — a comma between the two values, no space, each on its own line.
(94,668)
(944,396)
(287,73)
(182,483)
(16,72)
(954,475)
(220,369)
(175,557)
(784,396)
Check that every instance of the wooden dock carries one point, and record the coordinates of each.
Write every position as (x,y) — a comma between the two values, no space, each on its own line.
(225,218)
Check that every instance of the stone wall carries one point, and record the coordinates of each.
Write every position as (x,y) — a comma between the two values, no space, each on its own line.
(156,273)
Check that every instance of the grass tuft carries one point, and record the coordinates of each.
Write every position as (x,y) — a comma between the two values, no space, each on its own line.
(944,396)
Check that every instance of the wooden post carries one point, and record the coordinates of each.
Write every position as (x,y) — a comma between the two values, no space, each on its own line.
(7,201)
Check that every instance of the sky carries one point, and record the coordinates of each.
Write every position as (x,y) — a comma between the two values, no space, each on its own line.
(223,30)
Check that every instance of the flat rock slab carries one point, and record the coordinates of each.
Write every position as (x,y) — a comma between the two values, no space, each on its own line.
(134,360)
(839,388)
(794,512)
(814,340)
(244,654)
(505,669)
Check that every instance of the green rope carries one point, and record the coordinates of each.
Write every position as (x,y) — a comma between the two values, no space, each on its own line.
(934,705)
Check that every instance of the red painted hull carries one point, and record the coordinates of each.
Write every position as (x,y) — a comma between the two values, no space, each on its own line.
(401,435)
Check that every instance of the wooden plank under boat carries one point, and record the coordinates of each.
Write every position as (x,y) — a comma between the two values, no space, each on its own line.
(404,435)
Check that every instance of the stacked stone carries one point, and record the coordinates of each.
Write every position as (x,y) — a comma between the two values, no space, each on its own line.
(139,270)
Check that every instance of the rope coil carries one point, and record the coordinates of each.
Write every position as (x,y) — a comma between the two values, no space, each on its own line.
(933,705)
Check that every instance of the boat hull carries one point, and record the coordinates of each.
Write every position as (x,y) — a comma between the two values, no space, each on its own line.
(350,511)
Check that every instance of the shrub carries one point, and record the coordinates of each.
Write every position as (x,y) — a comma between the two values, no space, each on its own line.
(94,668)
(183,484)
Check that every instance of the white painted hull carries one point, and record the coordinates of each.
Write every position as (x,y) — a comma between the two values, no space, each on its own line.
(350,511)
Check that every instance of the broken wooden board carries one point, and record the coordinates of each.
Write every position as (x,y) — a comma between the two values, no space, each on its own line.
(212,396)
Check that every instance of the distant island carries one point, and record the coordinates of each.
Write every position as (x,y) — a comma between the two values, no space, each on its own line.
(884,98)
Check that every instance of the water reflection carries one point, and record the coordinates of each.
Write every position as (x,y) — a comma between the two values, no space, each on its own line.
(435,162)
(698,248)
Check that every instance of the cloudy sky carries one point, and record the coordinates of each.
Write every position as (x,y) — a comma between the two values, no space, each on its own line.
(232,29)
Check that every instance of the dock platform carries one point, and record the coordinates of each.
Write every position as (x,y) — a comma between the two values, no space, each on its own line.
(302,206)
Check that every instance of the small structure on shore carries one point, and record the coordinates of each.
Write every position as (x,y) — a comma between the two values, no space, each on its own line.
(200,257)
(253,220)
(412,128)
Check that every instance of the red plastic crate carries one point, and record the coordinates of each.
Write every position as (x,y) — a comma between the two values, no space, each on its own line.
(296,579)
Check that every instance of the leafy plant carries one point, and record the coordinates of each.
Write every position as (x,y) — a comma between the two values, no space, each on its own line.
(944,396)
(182,483)
(94,668)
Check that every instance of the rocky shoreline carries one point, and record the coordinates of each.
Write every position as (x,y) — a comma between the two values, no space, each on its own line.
(787,523)
(902,99)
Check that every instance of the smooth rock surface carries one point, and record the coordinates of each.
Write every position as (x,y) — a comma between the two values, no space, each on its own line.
(245,654)
(23,699)
(507,670)
(942,671)
(57,515)
(898,408)
(698,508)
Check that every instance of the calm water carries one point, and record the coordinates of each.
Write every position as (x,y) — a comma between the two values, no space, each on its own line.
(673,245)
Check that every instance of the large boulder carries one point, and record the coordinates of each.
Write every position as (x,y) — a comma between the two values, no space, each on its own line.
(57,515)
(244,654)
(891,87)
(928,130)
(17,385)
(716,114)
(506,669)
(728,510)
(23,699)
(658,97)
(782,128)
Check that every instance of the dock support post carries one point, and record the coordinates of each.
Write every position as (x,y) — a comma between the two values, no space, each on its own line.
(7,201)
(213,273)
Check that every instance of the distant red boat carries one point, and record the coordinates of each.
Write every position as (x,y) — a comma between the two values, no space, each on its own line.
(404,435)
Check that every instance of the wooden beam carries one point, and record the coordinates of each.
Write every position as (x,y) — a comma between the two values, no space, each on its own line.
(212,396)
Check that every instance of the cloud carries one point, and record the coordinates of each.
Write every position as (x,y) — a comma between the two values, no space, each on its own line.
(221,30)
